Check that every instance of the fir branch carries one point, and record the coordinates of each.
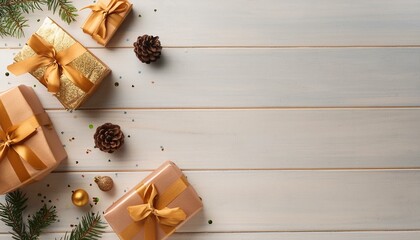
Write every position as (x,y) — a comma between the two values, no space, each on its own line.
(90,228)
(11,214)
(41,220)
(66,10)
(24,5)
(13,21)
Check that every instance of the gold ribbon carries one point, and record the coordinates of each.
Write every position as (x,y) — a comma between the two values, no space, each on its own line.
(102,14)
(56,63)
(12,138)
(155,210)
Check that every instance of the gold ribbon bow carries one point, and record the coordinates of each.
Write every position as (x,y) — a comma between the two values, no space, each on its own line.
(149,214)
(96,25)
(12,138)
(56,63)
(155,210)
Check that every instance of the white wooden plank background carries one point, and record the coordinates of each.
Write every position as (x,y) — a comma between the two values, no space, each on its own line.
(272,236)
(303,114)
(268,200)
(263,23)
(246,139)
(208,78)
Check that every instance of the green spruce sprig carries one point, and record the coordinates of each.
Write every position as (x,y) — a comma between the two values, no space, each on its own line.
(12,14)
(11,213)
(41,220)
(66,10)
(91,227)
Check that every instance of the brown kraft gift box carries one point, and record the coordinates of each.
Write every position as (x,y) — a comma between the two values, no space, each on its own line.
(174,194)
(68,70)
(19,107)
(105,19)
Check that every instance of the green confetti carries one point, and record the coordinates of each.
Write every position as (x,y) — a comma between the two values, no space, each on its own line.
(90,126)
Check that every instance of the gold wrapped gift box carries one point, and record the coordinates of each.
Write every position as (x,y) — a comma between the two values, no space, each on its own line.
(69,71)
(29,145)
(105,19)
(156,207)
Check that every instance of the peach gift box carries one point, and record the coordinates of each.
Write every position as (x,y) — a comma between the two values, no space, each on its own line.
(163,178)
(21,104)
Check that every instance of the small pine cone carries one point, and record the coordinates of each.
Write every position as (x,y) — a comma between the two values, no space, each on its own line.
(147,48)
(108,137)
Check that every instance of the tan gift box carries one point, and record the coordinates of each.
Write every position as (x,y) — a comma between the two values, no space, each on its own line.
(105,19)
(69,70)
(29,145)
(156,217)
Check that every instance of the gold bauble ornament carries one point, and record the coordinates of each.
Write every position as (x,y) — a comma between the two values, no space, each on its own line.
(105,183)
(80,197)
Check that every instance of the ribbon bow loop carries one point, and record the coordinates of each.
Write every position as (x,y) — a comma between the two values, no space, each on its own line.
(148,214)
(103,14)
(166,216)
(55,62)
(170,216)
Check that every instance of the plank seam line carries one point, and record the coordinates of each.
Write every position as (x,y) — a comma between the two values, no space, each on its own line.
(242,108)
(261,169)
(313,231)
(290,46)
(254,47)
(280,231)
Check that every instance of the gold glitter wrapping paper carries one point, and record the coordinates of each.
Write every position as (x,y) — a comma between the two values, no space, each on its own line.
(88,64)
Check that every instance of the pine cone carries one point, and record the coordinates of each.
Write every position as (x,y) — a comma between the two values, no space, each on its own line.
(147,48)
(108,137)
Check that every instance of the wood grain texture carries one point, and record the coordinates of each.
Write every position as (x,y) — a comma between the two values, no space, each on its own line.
(263,23)
(281,200)
(269,236)
(292,118)
(224,78)
(245,139)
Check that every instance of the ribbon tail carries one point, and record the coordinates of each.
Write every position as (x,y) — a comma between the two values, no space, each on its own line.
(170,216)
(52,78)
(150,229)
(93,6)
(101,29)
(29,156)
(64,58)
(28,65)
(112,19)
(3,152)
(42,49)
(78,79)
(18,166)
